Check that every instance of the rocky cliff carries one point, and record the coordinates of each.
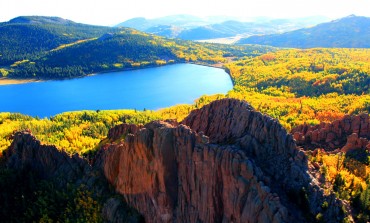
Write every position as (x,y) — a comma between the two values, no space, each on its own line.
(223,163)
(348,133)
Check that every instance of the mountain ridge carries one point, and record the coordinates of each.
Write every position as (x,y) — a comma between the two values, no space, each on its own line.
(348,32)
(40,20)
(218,27)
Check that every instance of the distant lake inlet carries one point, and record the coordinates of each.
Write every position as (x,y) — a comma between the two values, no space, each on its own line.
(150,88)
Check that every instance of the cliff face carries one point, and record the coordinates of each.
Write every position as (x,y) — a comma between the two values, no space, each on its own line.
(172,173)
(223,163)
(260,137)
(348,133)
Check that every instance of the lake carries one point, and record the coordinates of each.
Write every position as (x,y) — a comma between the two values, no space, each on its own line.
(150,88)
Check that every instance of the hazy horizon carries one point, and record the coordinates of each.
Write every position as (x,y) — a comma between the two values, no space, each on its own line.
(110,12)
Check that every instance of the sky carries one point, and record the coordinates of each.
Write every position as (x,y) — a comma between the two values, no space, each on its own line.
(112,12)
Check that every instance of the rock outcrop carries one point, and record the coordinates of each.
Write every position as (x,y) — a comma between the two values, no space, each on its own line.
(26,152)
(348,133)
(223,163)
(172,174)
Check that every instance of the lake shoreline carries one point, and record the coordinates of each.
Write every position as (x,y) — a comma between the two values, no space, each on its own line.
(219,66)
(12,81)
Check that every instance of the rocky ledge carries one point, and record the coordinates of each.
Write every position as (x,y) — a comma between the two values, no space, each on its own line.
(223,163)
(348,133)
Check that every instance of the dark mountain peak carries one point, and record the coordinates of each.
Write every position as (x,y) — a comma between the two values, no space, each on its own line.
(40,20)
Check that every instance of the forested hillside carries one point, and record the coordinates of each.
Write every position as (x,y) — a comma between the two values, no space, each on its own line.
(50,48)
(28,37)
(125,50)
(312,72)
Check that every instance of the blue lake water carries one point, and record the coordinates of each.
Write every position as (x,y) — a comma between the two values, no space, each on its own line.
(150,88)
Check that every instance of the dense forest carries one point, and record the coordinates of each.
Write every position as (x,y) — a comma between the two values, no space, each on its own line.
(311,72)
(25,197)
(347,175)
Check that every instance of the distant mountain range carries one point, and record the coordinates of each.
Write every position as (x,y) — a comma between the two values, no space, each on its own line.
(349,32)
(184,21)
(194,28)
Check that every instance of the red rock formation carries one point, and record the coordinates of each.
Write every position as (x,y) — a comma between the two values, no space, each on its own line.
(350,132)
(172,174)
(224,163)
(259,136)
(119,130)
